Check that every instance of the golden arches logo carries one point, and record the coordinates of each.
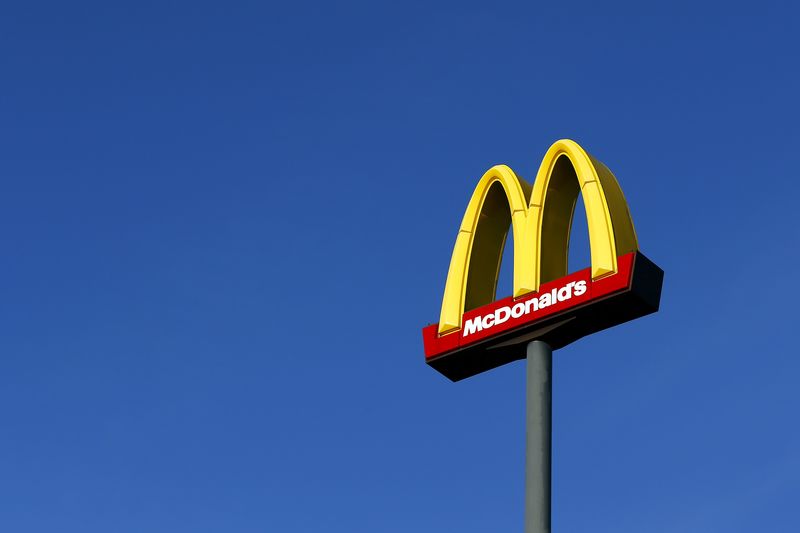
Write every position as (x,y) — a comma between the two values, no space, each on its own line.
(540,218)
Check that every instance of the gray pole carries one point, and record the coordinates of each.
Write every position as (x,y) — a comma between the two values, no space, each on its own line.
(538,435)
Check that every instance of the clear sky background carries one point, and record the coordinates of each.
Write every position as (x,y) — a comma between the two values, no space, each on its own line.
(224,226)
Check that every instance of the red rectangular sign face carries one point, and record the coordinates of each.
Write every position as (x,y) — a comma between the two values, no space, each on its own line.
(503,316)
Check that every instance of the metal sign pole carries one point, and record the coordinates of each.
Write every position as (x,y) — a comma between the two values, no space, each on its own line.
(538,437)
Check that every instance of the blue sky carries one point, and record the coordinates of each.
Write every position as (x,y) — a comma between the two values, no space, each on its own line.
(225,225)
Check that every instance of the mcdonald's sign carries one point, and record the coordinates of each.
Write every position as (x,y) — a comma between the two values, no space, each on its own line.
(476,332)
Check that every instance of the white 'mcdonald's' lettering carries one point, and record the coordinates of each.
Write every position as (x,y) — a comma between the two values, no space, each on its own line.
(519,309)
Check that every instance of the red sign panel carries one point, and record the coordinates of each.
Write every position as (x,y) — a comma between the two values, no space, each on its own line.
(508,314)
(561,312)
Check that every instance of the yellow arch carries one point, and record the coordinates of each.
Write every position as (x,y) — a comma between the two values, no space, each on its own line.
(540,219)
